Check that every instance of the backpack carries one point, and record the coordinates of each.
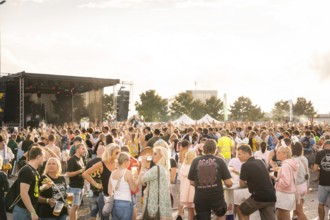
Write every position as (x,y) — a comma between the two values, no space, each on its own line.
(306,142)
(12,197)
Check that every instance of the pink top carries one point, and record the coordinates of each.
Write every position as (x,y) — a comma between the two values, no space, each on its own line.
(285,181)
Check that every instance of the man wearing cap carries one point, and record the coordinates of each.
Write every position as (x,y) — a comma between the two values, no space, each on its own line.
(322,165)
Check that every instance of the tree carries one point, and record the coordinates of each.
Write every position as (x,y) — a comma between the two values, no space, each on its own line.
(214,107)
(281,111)
(303,107)
(244,110)
(107,106)
(198,110)
(152,106)
(183,104)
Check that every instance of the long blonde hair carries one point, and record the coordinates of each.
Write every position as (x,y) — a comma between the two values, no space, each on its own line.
(164,160)
(59,167)
(109,149)
(189,157)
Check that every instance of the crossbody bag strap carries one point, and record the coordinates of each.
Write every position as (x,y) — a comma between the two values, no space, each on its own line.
(58,189)
(158,185)
(118,183)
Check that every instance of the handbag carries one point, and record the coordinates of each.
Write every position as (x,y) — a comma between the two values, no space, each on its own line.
(68,207)
(146,215)
(110,200)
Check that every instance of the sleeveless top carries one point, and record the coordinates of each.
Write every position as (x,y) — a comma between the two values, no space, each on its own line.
(105,175)
(124,191)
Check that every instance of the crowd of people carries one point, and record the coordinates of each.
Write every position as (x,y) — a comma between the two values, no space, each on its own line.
(122,167)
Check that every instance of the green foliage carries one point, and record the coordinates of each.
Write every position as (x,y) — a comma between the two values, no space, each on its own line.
(303,107)
(281,110)
(214,107)
(244,110)
(107,106)
(152,106)
(198,110)
(183,104)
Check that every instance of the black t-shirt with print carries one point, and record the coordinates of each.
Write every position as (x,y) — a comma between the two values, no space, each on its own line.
(96,175)
(75,164)
(208,172)
(31,177)
(322,159)
(254,171)
(45,211)
(4,184)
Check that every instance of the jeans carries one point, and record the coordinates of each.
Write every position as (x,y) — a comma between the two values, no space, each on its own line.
(63,217)
(21,213)
(122,210)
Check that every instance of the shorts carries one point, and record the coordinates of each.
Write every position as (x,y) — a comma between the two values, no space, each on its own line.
(302,189)
(323,194)
(266,209)
(203,208)
(93,206)
(285,201)
(240,195)
(77,195)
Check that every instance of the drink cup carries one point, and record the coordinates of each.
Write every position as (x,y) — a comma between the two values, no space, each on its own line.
(134,171)
(58,208)
(70,198)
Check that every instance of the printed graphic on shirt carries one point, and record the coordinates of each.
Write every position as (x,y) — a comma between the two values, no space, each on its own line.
(36,187)
(206,171)
(56,194)
(325,162)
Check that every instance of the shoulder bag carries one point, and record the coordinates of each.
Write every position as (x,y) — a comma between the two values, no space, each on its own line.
(146,215)
(110,200)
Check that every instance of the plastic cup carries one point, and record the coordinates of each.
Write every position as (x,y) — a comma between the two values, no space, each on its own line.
(58,208)
(70,198)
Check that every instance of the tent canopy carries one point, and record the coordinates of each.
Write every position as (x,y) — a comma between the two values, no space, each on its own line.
(207,119)
(184,119)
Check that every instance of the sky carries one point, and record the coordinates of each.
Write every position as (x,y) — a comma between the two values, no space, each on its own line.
(267,50)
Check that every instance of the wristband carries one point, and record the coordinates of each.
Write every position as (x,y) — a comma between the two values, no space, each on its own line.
(81,171)
(47,200)
(33,213)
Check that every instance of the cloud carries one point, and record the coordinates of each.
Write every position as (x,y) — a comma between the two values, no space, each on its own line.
(321,65)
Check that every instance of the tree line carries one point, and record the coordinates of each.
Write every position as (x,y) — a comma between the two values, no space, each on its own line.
(155,108)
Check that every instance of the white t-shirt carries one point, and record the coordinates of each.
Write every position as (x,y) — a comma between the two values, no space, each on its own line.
(259,155)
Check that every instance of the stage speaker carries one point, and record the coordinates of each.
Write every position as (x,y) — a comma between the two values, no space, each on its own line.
(11,111)
(122,105)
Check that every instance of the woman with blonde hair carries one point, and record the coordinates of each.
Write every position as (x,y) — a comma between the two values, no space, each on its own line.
(187,191)
(286,183)
(121,184)
(157,197)
(52,190)
(104,168)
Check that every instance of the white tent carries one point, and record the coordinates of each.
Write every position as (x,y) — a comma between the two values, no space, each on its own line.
(207,119)
(184,119)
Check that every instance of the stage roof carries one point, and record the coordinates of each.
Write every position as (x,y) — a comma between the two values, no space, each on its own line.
(46,83)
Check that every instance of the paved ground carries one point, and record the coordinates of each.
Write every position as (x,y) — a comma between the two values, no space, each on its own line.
(310,206)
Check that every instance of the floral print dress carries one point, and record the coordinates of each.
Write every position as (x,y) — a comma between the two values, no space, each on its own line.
(152,192)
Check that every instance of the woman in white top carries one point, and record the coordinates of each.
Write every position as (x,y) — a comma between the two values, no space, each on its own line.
(121,184)
(262,154)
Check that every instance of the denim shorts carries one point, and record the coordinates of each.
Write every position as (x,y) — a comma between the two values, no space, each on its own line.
(77,195)
(122,210)
(21,213)
(323,194)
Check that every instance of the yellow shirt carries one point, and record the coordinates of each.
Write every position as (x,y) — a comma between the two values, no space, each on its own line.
(225,144)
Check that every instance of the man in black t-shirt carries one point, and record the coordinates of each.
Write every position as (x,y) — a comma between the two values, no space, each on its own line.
(206,173)
(76,181)
(93,199)
(322,165)
(28,178)
(255,176)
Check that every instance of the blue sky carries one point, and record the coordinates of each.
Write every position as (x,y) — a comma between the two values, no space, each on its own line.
(267,50)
